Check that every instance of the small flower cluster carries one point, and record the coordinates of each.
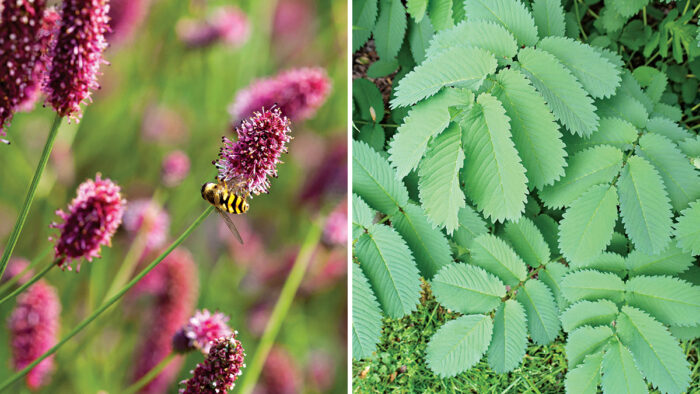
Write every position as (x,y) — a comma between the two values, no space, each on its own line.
(92,219)
(335,231)
(77,55)
(46,35)
(218,373)
(154,220)
(297,92)
(228,25)
(19,51)
(200,332)
(176,166)
(33,328)
(254,156)
(125,17)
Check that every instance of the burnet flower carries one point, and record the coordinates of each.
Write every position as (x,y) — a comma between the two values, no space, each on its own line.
(155,221)
(200,331)
(281,373)
(175,167)
(125,17)
(90,222)
(77,55)
(17,266)
(335,231)
(297,92)
(33,328)
(254,156)
(228,25)
(45,37)
(20,22)
(218,373)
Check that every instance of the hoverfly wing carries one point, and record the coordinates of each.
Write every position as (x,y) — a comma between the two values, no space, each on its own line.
(230,225)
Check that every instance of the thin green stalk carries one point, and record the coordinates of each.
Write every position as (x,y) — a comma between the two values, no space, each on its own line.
(11,282)
(138,385)
(111,301)
(14,236)
(29,283)
(281,308)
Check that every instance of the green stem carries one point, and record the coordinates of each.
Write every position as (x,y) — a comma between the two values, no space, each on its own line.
(111,301)
(281,308)
(11,282)
(138,385)
(14,236)
(29,283)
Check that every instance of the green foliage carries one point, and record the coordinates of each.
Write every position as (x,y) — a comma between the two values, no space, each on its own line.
(688,229)
(510,14)
(459,344)
(366,317)
(509,340)
(468,289)
(375,181)
(390,28)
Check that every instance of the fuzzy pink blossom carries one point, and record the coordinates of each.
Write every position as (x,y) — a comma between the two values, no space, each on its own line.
(199,332)
(218,373)
(92,219)
(254,156)
(330,177)
(297,92)
(242,254)
(45,37)
(77,55)
(228,25)
(33,328)
(17,266)
(294,25)
(280,375)
(176,166)
(335,231)
(20,22)
(163,125)
(174,284)
(125,17)
(147,214)
(321,370)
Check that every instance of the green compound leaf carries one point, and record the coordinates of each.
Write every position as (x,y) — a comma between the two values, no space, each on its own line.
(549,17)
(479,34)
(598,76)
(419,36)
(611,131)
(550,230)
(511,14)
(440,13)
(594,166)
(362,216)
(620,373)
(542,311)
(467,289)
(669,300)
(460,67)
(686,333)
(389,266)
(552,276)
(673,260)
(459,344)
(416,8)
(623,107)
(592,285)
(588,224)
(629,87)
(425,120)
(368,98)
(627,8)
(564,94)
(687,230)
(644,206)
(585,378)
(495,256)
(428,244)
(366,317)
(493,176)
(680,178)
(667,128)
(509,340)
(364,15)
(438,179)
(375,181)
(584,341)
(535,133)
(605,262)
(390,28)
(588,313)
(471,225)
(656,352)
(527,241)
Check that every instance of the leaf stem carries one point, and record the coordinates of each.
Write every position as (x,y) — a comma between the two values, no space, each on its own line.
(145,379)
(14,236)
(111,301)
(29,283)
(281,308)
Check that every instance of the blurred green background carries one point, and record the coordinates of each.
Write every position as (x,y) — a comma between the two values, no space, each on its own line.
(152,70)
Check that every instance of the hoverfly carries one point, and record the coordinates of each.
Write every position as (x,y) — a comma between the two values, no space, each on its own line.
(226,201)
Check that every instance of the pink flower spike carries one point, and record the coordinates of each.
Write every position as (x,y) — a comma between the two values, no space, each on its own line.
(297,92)
(176,166)
(77,55)
(218,373)
(33,328)
(15,267)
(336,230)
(145,212)
(200,331)
(20,22)
(92,219)
(125,17)
(228,25)
(262,139)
